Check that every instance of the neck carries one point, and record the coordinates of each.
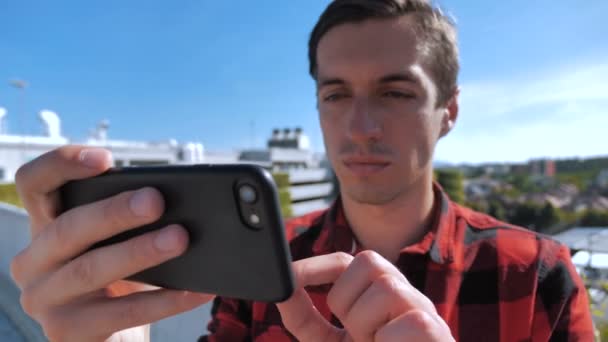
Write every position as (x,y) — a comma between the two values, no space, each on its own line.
(389,227)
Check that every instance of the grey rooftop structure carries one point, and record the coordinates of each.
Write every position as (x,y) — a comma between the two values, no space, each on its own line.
(591,239)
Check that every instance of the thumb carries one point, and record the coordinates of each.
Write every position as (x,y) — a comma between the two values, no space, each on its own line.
(299,314)
(305,322)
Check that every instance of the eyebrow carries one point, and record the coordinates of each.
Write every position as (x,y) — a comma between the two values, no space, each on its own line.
(400,77)
(329,81)
(393,77)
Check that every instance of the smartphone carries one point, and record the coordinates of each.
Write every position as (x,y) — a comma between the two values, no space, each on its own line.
(237,243)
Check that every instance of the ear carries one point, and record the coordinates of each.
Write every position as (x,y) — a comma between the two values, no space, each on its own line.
(450,114)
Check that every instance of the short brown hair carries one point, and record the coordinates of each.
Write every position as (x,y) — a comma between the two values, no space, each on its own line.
(436,31)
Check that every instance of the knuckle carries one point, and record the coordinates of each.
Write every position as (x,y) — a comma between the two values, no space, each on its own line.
(56,233)
(302,271)
(82,271)
(343,258)
(369,259)
(140,251)
(25,174)
(21,178)
(421,321)
(389,283)
(114,210)
(64,152)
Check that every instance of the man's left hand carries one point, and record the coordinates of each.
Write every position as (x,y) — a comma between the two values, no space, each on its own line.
(371,298)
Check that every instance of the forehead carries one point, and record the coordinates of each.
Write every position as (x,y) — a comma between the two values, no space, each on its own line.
(372,47)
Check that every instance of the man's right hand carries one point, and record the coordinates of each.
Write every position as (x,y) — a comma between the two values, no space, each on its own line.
(78,296)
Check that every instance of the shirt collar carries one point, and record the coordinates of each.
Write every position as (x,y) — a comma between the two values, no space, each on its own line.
(336,235)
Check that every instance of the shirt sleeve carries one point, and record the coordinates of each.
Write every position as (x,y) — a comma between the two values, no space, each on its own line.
(230,321)
(562,310)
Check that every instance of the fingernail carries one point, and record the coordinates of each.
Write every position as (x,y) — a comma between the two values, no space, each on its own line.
(167,240)
(140,203)
(94,157)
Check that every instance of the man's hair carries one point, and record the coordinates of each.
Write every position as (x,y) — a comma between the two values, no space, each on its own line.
(435,31)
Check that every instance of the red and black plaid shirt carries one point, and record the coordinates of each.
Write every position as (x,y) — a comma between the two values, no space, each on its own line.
(489,280)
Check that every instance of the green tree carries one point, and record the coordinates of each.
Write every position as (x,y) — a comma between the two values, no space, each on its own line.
(522,184)
(452,181)
(8,194)
(281,180)
(541,218)
(525,215)
(594,218)
(496,209)
(480,206)
(547,218)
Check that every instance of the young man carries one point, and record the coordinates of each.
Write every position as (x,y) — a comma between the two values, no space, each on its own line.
(392,260)
(405,263)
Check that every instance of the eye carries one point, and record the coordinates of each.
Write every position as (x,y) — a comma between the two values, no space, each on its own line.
(397,94)
(334,97)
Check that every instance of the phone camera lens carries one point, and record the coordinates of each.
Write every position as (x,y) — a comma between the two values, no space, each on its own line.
(247,194)
(254,218)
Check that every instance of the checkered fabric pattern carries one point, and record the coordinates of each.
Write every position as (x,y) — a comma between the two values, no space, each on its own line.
(489,280)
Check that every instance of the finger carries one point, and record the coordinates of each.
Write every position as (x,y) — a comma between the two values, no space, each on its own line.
(100,267)
(38,180)
(322,269)
(298,313)
(385,299)
(305,322)
(415,325)
(364,269)
(104,317)
(79,228)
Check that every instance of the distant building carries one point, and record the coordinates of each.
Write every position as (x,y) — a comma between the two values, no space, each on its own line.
(310,176)
(542,167)
(496,169)
(286,149)
(288,139)
(602,178)
(589,202)
(481,188)
(15,150)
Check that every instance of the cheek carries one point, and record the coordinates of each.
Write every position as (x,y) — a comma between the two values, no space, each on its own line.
(409,134)
(331,126)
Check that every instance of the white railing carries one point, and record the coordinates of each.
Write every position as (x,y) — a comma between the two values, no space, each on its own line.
(310,190)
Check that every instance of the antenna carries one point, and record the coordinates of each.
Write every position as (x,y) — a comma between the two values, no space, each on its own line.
(21,85)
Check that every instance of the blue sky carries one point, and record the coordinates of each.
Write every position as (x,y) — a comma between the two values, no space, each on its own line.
(534,73)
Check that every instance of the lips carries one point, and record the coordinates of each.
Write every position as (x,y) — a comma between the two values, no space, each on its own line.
(365,167)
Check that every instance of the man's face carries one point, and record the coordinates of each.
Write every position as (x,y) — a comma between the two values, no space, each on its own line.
(377,108)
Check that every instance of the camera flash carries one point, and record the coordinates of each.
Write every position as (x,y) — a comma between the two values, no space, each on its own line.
(255,219)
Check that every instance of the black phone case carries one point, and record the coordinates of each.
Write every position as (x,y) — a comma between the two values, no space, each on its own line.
(226,256)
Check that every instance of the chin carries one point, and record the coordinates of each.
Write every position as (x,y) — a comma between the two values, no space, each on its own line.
(367,195)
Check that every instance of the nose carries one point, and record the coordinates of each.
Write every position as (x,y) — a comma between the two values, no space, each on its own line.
(364,124)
